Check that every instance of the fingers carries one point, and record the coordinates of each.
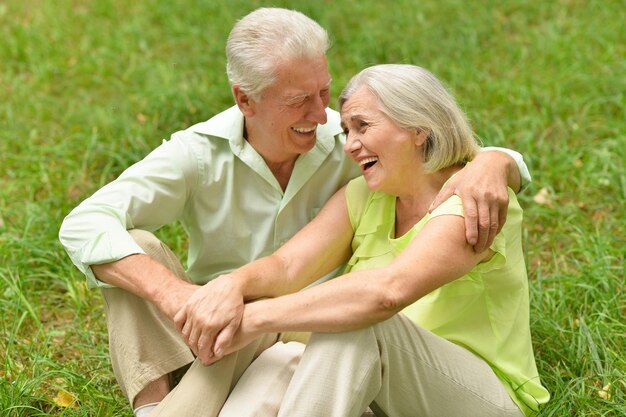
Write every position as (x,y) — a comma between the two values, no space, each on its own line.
(492,213)
(489,231)
(186,332)
(502,212)
(205,348)
(199,340)
(193,341)
(211,309)
(225,338)
(484,222)
(471,220)
(207,344)
(180,319)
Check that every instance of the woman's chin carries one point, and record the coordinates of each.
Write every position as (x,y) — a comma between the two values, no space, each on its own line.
(372,184)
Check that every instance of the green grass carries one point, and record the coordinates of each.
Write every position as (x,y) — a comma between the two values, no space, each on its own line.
(87,87)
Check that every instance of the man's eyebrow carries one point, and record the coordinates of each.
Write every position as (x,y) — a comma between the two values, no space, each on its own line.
(295,98)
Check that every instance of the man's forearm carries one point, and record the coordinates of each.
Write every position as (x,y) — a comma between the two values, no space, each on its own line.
(146,278)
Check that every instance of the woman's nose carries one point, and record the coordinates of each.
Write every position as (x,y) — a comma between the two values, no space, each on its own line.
(352,144)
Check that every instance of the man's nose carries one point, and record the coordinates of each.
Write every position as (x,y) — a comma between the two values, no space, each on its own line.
(317,112)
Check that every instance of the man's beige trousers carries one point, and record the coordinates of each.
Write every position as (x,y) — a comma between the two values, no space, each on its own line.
(144,345)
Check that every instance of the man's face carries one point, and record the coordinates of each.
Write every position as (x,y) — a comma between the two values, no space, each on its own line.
(284,121)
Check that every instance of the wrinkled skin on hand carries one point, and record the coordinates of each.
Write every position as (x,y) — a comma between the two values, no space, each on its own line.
(244,335)
(483,192)
(214,310)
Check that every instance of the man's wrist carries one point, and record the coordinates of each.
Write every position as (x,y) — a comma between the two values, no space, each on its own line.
(518,177)
(504,163)
(167,298)
(513,178)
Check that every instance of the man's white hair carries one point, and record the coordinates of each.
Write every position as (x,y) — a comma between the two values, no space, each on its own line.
(263,39)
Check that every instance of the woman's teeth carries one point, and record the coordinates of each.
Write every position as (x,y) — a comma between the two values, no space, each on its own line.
(368,162)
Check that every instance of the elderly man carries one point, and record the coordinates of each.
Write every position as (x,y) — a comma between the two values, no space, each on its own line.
(241,183)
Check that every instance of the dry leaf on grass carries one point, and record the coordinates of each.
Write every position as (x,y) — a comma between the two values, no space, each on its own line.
(543,197)
(604,392)
(65,400)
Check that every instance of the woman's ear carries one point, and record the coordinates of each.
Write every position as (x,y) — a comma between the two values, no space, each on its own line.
(421,136)
(244,102)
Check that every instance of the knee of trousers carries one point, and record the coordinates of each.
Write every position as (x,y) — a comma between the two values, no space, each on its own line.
(361,340)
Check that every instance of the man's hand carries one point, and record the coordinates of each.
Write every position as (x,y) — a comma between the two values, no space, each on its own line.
(482,186)
(176,296)
(214,309)
(245,334)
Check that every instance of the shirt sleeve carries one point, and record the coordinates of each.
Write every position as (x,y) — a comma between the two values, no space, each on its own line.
(519,160)
(451,206)
(148,195)
(357,195)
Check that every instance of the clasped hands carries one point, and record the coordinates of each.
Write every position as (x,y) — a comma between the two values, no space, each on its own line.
(210,320)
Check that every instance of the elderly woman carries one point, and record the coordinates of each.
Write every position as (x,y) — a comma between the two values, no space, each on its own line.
(419,324)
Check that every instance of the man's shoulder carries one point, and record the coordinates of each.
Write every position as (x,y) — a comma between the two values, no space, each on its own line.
(225,125)
(205,146)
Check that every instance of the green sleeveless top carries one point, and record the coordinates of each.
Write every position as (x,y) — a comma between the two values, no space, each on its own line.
(484,311)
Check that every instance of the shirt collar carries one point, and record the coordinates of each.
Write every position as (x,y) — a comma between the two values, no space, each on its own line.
(226,125)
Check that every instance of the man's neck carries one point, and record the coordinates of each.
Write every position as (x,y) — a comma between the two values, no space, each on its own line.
(282,171)
(281,165)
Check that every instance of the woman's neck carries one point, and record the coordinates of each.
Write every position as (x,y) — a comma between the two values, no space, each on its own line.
(415,200)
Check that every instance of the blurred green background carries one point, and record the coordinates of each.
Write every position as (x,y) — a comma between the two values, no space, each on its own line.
(88,87)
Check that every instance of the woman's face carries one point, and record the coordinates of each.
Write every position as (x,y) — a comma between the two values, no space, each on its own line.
(387,154)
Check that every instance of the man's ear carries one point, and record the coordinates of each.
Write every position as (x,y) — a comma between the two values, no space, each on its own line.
(244,102)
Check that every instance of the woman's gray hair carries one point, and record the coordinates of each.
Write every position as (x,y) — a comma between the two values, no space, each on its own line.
(415,99)
(263,39)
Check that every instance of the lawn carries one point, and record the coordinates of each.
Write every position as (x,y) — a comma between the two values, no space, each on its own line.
(87,87)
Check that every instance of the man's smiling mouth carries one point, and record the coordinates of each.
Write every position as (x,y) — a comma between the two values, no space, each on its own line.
(304,129)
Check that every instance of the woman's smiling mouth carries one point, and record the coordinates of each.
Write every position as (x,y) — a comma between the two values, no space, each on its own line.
(367,163)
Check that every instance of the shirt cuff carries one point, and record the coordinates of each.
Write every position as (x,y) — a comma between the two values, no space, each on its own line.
(526,179)
(104,248)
